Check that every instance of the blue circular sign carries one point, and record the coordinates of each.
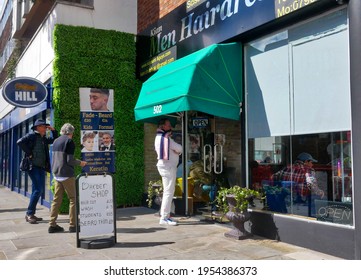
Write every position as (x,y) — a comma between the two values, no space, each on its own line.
(24,92)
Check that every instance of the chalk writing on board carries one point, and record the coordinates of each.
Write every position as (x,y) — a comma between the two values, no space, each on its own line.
(96,211)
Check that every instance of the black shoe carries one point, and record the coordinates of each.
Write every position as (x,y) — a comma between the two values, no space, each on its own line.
(54,229)
(31,219)
(72,229)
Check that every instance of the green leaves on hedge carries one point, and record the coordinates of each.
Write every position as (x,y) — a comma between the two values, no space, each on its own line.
(88,57)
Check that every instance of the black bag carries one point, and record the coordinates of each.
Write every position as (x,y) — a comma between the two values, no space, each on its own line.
(26,164)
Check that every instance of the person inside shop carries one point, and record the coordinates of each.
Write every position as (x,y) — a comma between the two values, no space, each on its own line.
(303,173)
(168,152)
(107,143)
(98,99)
(267,160)
(88,142)
(62,165)
(35,144)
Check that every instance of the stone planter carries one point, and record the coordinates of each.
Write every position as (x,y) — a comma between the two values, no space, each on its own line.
(238,219)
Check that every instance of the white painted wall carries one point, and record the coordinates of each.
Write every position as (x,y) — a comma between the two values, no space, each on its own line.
(119,15)
(37,59)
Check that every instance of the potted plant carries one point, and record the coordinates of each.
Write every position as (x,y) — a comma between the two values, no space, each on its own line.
(233,203)
(155,190)
(275,198)
(201,179)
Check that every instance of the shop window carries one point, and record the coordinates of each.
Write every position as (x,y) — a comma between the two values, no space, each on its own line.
(23,175)
(83,2)
(298,103)
(48,177)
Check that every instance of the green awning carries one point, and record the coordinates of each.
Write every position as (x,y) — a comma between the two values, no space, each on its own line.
(208,81)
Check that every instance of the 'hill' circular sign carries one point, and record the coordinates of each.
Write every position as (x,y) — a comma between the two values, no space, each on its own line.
(24,92)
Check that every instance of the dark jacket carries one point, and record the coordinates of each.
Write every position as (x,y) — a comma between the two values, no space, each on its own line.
(111,148)
(27,144)
(63,160)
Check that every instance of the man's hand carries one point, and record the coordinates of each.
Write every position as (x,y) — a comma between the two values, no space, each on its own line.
(83,163)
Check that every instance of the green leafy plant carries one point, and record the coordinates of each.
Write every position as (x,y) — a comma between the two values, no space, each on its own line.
(89,57)
(155,188)
(198,174)
(243,196)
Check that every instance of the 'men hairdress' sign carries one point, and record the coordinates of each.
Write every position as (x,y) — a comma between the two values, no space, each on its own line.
(24,92)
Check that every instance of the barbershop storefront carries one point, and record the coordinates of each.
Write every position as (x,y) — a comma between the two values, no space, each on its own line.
(297,90)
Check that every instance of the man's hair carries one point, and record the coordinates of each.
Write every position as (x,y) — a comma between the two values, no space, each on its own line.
(106,133)
(67,129)
(100,90)
(162,121)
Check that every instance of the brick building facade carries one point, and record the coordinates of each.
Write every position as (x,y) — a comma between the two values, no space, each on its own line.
(149,11)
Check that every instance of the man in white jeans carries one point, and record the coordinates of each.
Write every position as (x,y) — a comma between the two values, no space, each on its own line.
(168,152)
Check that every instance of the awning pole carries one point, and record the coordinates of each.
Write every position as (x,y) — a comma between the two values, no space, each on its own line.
(185,160)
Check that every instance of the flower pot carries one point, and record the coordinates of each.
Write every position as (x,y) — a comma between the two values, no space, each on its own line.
(238,218)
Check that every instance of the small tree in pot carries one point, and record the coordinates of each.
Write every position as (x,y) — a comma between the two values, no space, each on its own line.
(233,203)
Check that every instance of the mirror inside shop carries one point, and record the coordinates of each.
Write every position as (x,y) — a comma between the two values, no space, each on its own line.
(304,175)
(213,159)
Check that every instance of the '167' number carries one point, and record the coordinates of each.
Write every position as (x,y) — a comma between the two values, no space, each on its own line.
(157,109)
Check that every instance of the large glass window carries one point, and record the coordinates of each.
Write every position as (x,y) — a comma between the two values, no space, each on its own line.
(23,175)
(47,194)
(299,120)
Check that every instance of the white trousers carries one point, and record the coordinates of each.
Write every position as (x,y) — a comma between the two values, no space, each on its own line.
(168,179)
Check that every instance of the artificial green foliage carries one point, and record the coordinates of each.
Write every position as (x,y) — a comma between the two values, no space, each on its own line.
(88,57)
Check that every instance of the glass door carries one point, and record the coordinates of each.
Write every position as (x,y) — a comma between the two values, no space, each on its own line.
(213,158)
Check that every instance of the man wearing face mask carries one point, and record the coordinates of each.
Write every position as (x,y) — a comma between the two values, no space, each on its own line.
(168,152)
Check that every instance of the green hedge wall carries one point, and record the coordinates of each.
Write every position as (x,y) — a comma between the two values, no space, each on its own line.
(88,57)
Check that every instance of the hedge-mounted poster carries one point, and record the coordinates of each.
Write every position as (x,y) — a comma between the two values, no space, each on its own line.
(97,125)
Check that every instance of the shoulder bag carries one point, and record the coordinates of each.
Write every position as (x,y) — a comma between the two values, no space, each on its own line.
(26,164)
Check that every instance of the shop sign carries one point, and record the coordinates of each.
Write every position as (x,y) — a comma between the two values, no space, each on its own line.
(334,212)
(200,122)
(285,7)
(24,92)
(199,23)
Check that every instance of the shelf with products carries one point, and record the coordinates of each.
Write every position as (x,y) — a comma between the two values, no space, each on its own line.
(278,153)
(340,151)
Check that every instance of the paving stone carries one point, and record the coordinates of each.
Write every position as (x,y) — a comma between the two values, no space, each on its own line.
(139,237)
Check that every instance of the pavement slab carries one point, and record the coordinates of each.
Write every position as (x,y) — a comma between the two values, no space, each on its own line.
(139,237)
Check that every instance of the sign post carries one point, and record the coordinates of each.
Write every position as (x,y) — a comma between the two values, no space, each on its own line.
(96,215)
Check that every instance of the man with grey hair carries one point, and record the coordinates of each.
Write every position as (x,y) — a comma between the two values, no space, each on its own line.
(63,163)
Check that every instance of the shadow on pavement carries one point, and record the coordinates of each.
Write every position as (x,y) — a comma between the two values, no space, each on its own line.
(139,230)
(141,244)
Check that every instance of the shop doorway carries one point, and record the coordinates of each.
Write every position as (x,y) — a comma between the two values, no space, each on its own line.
(211,160)
(207,81)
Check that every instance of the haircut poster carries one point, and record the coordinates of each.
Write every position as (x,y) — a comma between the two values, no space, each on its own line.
(97,129)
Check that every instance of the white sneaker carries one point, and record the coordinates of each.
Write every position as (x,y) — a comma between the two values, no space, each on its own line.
(168,222)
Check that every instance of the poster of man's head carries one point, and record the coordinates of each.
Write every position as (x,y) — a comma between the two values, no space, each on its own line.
(96,99)
(106,140)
